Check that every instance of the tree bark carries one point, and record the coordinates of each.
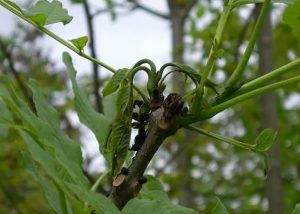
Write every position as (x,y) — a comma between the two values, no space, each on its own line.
(163,122)
(270,119)
(178,13)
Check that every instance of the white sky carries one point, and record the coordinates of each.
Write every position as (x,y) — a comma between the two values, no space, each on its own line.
(119,43)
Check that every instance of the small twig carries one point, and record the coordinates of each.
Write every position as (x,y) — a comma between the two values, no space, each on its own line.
(138,5)
(91,35)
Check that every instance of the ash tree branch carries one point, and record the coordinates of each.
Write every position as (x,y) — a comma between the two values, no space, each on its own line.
(16,75)
(163,122)
(91,35)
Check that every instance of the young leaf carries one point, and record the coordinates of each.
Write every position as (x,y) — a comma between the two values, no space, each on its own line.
(45,13)
(119,138)
(296,209)
(291,17)
(114,83)
(264,140)
(219,208)
(80,42)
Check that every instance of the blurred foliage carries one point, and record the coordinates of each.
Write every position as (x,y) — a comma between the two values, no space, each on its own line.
(217,169)
(19,193)
(236,176)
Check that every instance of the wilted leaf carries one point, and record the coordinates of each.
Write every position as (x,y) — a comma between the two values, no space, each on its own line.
(45,13)
(291,16)
(80,42)
(219,208)
(265,140)
(114,83)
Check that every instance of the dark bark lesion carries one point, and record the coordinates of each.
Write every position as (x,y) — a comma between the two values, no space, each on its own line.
(163,122)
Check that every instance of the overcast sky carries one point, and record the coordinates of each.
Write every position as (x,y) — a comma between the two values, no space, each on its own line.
(120,43)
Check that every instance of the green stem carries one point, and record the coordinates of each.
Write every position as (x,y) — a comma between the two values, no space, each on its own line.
(139,91)
(216,43)
(55,37)
(222,106)
(239,3)
(243,63)
(98,181)
(147,61)
(269,76)
(221,138)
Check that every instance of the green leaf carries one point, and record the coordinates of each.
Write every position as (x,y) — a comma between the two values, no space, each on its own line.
(296,209)
(265,140)
(99,124)
(71,190)
(119,139)
(46,145)
(291,16)
(50,190)
(153,199)
(45,13)
(80,42)
(114,83)
(99,202)
(5,119)
(219,208)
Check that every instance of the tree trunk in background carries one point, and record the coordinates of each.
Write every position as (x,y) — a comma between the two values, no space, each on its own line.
(269,119)
(179,11)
